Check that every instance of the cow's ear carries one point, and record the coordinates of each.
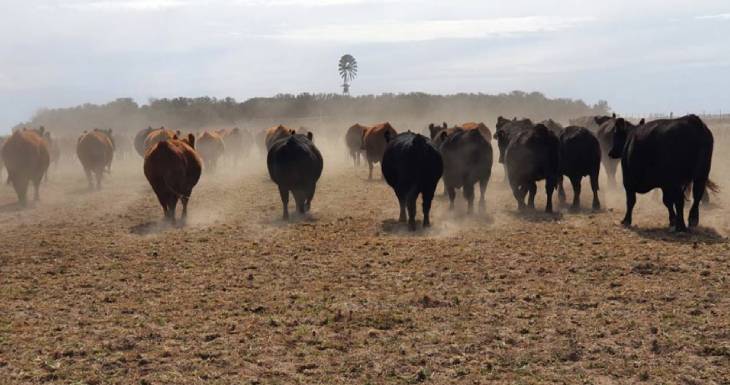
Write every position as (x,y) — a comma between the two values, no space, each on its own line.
(191,140)
(430,126)
(445,125)
(310,136)
(613,115)
(642,122)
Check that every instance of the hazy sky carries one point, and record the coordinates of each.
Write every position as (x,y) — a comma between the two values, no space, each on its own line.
(641,56)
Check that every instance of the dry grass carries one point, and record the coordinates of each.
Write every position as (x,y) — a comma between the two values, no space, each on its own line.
(95,291)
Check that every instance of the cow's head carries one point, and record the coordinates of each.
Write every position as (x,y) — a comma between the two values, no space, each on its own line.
(500,122)
(620,133)
(434,129)
(502,141)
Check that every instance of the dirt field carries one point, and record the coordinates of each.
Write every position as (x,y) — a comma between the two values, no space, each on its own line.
(93,290)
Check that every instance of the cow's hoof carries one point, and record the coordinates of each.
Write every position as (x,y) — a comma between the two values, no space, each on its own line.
(693,222)
(625,223)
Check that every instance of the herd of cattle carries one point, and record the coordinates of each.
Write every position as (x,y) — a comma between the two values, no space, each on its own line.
(671,154)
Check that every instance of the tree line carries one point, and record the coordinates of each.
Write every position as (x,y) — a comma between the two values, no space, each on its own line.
(319,111)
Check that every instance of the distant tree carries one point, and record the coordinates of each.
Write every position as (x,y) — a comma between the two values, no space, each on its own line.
(348,71)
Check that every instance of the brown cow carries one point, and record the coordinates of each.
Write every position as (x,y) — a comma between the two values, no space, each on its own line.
(210,147)
(95,150)
(374,143)
(435,130)
(173,168)
(481,127)
(26,158)
(353,140)
(275,133)
(157,135)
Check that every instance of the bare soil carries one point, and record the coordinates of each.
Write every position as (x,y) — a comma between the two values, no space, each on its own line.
(94,289)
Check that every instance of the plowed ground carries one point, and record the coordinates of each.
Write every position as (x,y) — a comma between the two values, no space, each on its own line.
(95,290)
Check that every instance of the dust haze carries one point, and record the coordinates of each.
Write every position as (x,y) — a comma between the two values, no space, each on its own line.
(98,289)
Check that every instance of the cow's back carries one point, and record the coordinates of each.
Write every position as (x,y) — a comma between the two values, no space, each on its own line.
(533,154)
(294,161)
(210,144)
(276,133)
(157,135)
(95,150)
(580,151)
(409,160)
(666,152)
(354,137)
(374,141)
(26,153)
(172,162)
(467,157)
(481,127)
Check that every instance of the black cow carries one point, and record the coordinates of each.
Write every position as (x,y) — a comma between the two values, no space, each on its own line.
(580,155)
(605,138)
(504,131)
(669,154)
(412,166)
(467,159)
(532,155)
(295,164)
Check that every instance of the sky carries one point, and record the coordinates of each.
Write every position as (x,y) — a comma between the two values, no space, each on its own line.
(650,56)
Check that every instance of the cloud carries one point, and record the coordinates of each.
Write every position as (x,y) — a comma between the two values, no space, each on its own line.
(720,16)
(399,32)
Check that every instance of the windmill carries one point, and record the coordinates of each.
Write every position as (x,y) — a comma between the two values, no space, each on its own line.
(348,71)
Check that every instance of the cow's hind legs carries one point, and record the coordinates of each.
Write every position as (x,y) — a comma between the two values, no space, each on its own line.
(402,204)
(411,206)
(452,196)
(89,179)
(679,205)
(630,203)
(575,182)
(549,189)
(284,193)
(594,187)
(561,190)
(668,200)
(699,194)
(469,196)
(427,197)
(532,189)
(482,189)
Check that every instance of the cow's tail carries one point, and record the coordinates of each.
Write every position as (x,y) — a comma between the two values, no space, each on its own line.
(168,184)
(704,162)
